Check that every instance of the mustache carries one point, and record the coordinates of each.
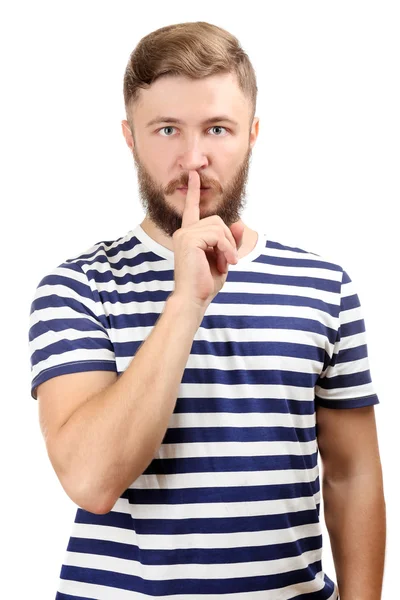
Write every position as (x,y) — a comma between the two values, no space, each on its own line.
(204,183)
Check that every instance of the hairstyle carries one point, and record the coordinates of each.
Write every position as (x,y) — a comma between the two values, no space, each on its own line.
(194,50)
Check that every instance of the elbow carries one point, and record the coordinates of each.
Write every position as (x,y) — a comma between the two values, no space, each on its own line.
(80,488)
(87,497)
(100,510)
(92,503)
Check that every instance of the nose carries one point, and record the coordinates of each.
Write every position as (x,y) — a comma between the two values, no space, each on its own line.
(192,160)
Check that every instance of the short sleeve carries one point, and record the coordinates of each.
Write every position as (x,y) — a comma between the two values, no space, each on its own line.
(67,328)
(346,381)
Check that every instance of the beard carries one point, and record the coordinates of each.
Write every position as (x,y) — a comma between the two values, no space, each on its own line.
(227,203)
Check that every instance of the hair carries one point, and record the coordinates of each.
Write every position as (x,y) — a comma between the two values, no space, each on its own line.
(194,50)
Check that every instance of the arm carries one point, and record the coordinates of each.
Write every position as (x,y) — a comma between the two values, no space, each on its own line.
(112,437)
(353,496)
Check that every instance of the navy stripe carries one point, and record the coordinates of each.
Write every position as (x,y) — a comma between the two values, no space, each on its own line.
(351,403)
(244,405)
(346,381)
(207,586)
(248,493)
(231,464)
(182,526)
(238,434)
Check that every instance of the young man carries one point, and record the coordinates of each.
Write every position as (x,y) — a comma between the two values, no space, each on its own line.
(189,373)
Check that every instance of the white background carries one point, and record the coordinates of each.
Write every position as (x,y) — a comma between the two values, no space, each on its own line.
(324,177)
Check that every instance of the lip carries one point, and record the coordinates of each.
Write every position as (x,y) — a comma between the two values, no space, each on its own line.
(202,190)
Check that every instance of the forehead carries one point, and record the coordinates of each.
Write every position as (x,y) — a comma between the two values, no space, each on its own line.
(192,99)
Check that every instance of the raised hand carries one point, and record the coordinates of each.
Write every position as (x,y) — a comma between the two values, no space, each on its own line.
(203,248)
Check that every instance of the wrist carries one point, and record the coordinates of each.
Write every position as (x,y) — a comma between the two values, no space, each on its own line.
(183,306)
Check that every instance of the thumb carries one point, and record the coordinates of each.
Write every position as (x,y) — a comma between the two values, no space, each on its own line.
(237,230)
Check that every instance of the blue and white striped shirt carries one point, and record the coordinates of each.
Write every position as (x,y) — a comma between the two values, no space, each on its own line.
(230,503)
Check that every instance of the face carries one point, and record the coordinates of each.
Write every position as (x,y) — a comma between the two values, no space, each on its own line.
(165,151)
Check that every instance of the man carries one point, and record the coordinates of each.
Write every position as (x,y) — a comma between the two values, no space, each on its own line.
(189,372)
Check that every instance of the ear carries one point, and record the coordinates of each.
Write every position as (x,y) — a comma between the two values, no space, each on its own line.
(126,131)
(254,131)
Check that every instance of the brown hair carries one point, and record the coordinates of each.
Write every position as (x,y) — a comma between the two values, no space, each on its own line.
(193,50)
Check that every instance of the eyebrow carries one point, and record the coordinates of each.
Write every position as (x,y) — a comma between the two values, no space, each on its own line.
(159,119)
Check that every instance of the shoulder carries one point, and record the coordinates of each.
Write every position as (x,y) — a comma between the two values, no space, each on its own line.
(92,262)
(323,272)
(295,252)
(104,251)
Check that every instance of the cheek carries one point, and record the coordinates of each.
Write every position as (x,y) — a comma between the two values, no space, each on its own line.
(234,154)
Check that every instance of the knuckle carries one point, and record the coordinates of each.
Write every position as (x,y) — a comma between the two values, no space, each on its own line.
(221,229)
(217,228)
(224,230)
(218,220)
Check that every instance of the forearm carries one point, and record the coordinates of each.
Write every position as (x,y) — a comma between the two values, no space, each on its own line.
(355,516)
(111,439)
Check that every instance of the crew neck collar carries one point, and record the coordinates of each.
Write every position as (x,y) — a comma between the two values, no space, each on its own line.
(168,254)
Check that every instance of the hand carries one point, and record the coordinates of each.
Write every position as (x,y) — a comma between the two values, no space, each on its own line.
(203,248)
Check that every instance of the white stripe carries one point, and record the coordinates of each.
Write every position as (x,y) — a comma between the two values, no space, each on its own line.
(203,419)
(195,449)
(50,337)
(231,334)
(193,570)
(224,479)
(81,355)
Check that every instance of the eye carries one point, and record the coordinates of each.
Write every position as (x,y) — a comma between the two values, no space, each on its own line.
(166,127)
(171,127)
(218,127)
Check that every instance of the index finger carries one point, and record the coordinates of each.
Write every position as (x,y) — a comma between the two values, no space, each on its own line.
(191,210)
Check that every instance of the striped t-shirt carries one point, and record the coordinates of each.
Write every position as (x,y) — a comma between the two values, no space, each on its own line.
(230,504)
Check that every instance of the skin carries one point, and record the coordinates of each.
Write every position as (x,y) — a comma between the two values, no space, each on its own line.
(165,152)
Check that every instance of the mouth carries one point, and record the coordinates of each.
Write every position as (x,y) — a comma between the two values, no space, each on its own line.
(202,190)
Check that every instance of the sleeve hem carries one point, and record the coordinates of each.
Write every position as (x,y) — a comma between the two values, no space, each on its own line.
(348,402)
(72,367)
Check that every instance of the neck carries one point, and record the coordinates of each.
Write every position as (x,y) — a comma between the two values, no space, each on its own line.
(249,239)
